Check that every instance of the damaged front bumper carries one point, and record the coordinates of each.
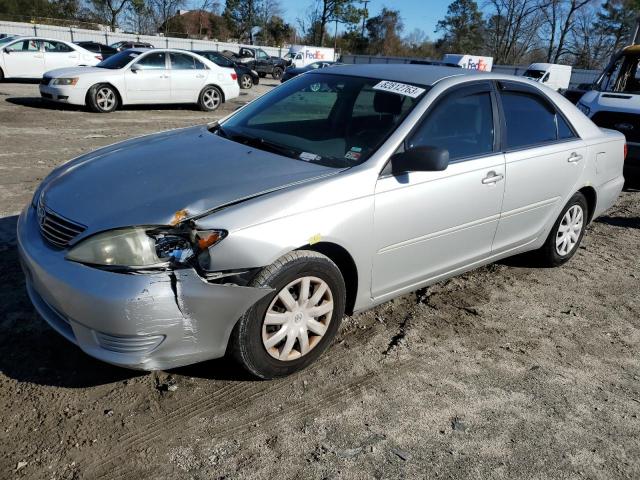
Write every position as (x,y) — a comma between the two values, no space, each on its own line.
(142,321)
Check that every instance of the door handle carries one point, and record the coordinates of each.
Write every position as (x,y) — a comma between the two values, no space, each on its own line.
(575,157)
(492,177)
(200,76)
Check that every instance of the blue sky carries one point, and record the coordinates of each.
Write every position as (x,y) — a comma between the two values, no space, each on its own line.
(422,14)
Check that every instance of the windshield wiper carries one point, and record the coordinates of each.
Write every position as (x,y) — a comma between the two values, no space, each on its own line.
(262,144)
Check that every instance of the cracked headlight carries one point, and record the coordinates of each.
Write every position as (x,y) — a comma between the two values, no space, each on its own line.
(140,248)
(64,81)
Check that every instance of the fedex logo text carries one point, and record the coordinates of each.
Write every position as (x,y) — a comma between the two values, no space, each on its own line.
(317,55)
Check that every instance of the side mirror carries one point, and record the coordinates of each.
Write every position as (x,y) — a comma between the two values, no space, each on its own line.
(420,159)
(135,68)
(8,50)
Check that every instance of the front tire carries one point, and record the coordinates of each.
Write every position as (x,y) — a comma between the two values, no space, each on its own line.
(567,232)
(291,327)
(277,73)
(103,98)
(246,82)
(210,98)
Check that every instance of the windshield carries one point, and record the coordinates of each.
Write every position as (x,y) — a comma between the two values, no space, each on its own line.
(623,76)
(333,120)
(7,40)
(535,74)
(218,59)
(119,60)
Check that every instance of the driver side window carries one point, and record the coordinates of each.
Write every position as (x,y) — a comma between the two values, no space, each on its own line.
(462,123)
(25,46)
(152,61)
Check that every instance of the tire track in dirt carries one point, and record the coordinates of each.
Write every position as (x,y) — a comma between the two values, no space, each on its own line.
(309,406)
(235,397)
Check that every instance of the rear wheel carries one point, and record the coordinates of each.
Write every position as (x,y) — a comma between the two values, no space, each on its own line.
(102,98)
(1,75)
(210,98)
(291,327)
(245,81)
(277,73)
(565,236)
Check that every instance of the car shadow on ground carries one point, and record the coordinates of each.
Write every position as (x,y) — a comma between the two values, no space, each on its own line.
(30,351)
(625,222)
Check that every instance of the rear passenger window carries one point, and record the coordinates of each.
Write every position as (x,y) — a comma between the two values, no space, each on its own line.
(564,130)
(181,61)
(463,125)
(529,120)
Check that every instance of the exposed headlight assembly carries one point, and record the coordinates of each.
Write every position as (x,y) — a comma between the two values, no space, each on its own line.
(144,248)
(64,81)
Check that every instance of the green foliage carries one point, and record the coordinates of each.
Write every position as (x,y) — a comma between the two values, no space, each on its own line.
(463,28)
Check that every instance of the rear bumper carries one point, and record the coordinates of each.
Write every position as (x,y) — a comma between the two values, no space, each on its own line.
(145,321)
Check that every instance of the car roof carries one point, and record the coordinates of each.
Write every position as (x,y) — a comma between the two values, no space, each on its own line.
(401,72)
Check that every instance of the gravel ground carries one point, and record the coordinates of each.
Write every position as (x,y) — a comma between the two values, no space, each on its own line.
(506,372)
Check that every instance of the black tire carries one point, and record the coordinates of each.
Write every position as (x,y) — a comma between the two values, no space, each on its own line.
(103,98)
(245,81)
(210,98)
(246,344)
(1,76)
(549,254)
(277,73)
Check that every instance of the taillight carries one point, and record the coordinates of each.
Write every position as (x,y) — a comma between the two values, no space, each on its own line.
(626,150)
(234,76)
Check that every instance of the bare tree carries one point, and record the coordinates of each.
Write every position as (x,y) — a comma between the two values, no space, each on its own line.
(513,28)
(560,18)
(109,10)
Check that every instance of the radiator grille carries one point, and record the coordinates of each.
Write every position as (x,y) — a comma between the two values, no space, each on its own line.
(627,123)
(56,229)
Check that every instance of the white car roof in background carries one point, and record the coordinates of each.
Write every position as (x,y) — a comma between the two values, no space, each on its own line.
(403,72)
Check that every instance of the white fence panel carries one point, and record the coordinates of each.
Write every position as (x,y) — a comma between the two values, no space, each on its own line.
(72,34)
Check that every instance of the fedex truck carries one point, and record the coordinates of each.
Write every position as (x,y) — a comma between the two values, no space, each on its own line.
(301,55)
(472,62)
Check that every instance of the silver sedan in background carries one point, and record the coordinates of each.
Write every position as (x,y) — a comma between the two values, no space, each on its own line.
(339,190)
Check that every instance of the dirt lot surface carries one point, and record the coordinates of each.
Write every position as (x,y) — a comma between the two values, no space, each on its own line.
(507,372)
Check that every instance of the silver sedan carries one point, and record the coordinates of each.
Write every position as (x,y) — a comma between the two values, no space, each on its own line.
(338,190)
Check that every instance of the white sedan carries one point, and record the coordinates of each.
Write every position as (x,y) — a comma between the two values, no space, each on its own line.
(143,76)
(30,57)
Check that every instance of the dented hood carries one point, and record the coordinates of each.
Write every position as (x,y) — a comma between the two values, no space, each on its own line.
(145,181)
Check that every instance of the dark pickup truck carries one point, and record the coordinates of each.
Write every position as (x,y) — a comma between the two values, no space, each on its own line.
(258,60)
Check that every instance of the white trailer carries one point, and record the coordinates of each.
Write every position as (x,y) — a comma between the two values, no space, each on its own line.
(552,75)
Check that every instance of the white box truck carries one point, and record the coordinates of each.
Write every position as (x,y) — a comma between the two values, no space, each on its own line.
(472,62)
(552,75)
(301,55)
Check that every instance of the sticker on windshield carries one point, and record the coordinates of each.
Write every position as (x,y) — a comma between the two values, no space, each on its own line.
(309,157)
(352,155)
(399,88)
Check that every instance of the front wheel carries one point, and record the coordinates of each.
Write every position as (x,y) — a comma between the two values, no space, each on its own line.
(210,98)
(277,73)
(567,232)
(102,98)
(291,327)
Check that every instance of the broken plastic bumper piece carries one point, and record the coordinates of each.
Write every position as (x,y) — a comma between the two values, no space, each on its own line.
(149,321)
